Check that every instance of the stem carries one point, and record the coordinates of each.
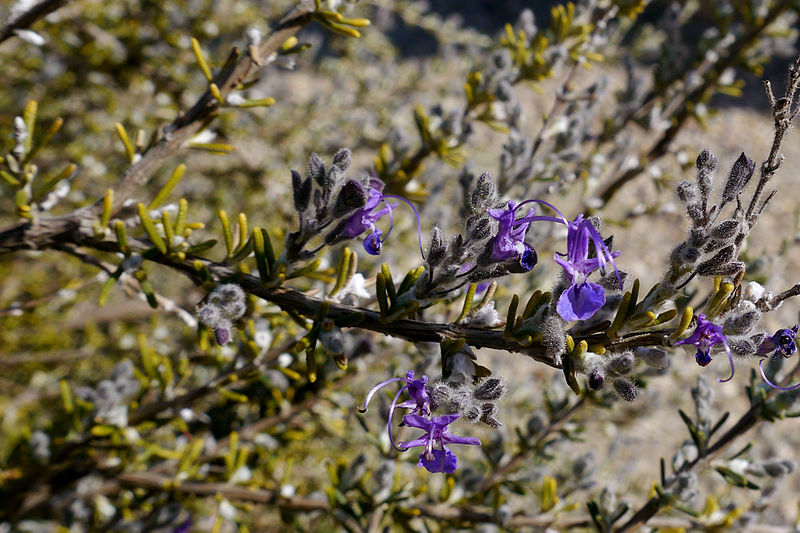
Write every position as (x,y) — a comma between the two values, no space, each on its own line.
(697,95)
(742,426)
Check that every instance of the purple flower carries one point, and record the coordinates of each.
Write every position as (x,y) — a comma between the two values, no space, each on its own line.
(509,242)
(706,335)
(436,434)
(582,299)
(419,400)
(783,342)
(365,219)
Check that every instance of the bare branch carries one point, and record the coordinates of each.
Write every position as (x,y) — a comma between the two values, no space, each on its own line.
(745,423)
(24,20)
(782,114)
(238,68)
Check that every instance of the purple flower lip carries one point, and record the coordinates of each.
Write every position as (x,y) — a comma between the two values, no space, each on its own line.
(441,459)
(783,342)
(707,334)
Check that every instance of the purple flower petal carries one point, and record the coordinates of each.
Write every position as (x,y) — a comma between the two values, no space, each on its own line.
(770,383)
(417,421)
(580,302)
(443,461)
(449,438)
(222,335)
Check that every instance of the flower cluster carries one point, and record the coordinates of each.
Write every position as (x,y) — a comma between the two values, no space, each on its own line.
(436,457)
(353,207)
(495,244)
(224,306)
(707,334)
(582,299)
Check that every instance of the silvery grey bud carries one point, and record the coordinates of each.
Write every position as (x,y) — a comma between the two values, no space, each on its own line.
(553,337)
(702,396)
(731,270)
(234,310)
(780,468)
(490,389)
(479,230)
(621,363)
(316,169)
(301,191)
(706,160)
(740,175)
(209,315)
(342,159)
(697,238)
(501,60)
(607,501)
(742,346)
(713,266)
(471,414)
(228,292)
(439,393)
(483,195)
(687,192)
(653,357)
(742,319)
(685,454)
(536,423)
(505,92)
(351,197)
(331,338)
(727,229)
(686,487)
(596,379)
(437,248)
(706,166)
(584,466)
(527,22)
(625,389)
(489,414)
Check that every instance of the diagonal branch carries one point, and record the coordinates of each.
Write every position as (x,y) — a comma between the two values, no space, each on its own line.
(25,19)
(238,68)
(746,422)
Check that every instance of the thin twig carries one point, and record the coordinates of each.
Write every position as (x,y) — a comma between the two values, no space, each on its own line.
(241,67)
(788,293)
(783,114)
(24,20)
(502,471)
(661,147)
(745,423)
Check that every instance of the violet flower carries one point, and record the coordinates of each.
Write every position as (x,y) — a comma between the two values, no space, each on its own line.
(783,342)
(509,242)
(706,335)
(441,459)
(365,219)
(582,299)
(419,400)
